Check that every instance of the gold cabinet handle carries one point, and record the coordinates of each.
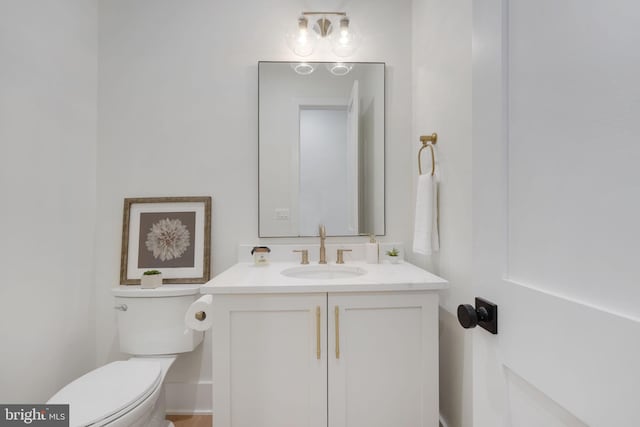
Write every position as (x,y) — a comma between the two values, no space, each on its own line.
(318,332)
(336,313)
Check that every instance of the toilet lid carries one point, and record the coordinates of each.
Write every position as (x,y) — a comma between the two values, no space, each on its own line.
(107,390)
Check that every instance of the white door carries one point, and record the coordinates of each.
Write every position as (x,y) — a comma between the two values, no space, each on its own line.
(383,360)
(353,138)
(556,175)
(269,361)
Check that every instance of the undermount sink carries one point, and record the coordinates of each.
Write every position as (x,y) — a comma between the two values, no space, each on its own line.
(323,272)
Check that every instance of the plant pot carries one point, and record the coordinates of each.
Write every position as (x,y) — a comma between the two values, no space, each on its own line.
(394,259)
(151,281)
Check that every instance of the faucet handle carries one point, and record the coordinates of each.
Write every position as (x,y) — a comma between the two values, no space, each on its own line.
(341,252)
(305,255)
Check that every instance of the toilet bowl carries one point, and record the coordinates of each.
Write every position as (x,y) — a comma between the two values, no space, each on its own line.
(131,393)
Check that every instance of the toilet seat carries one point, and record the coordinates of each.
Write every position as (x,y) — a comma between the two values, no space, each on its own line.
(110,391)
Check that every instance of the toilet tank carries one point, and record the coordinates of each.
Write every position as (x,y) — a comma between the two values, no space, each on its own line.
(151,321)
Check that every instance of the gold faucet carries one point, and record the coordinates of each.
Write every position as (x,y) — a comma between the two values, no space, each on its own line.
(341,252)
(305,255)
(323,250)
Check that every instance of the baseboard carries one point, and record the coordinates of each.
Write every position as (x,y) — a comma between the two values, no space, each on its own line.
(443,423)
(189,398)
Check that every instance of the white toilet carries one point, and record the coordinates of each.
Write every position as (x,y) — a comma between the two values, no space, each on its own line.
(131,393)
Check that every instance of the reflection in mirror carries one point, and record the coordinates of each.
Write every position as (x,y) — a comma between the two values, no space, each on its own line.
(321,148)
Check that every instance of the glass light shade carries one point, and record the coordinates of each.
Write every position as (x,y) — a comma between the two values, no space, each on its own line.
(339,68)
(301,40)
(345,39)
(304,68)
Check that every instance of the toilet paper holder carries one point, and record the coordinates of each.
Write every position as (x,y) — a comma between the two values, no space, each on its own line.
(197,316)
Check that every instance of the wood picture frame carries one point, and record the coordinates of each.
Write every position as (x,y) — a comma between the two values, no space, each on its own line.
(169,234)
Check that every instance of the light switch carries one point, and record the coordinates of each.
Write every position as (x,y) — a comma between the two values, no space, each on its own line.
(282,214)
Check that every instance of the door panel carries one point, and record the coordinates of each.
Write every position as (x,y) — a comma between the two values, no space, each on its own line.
(555,109)
(386,370)
(574,103)
(531,407)
(582,358)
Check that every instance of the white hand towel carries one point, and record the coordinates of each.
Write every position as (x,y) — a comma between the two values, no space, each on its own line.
(425,230)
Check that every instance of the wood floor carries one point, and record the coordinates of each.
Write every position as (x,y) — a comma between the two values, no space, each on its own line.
(191,420)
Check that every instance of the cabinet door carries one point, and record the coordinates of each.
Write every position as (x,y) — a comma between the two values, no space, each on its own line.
(267,371)
(383,360)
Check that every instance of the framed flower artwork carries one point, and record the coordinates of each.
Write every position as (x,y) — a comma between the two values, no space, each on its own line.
(169,234)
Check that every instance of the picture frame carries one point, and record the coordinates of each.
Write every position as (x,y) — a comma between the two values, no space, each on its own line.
(169,234)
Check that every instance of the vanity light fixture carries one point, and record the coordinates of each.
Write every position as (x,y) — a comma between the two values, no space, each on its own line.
(333,26)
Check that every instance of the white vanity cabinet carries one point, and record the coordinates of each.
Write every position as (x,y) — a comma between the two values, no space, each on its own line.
(325,359)
(383,359)
(266,369)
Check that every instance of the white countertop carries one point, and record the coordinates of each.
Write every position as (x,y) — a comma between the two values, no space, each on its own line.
(247,278)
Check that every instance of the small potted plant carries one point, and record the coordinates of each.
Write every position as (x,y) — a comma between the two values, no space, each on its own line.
(394,256)
(151,279)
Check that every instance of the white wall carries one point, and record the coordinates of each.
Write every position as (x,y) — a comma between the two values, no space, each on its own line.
(442,103)
(47,188)
(178,116)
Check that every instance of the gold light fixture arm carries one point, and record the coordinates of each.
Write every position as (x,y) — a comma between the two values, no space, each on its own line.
(324,13)
(428,141)
(324,26)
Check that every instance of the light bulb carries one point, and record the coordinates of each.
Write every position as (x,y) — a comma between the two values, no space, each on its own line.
(346,41)
(299,40)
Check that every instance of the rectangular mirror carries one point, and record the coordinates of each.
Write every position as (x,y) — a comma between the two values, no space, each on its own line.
(321,148)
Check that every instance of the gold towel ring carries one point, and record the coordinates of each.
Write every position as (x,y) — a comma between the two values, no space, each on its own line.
(428,141)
